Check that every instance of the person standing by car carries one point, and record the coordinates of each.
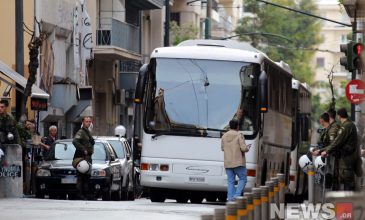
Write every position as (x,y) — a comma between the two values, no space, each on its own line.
(8,131)
(234,148)
(84,144)
(49,140)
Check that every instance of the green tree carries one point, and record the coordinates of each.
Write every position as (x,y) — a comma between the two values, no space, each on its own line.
(183,32)
(302,30)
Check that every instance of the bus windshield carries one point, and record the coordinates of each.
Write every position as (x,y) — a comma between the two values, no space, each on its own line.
(188,94)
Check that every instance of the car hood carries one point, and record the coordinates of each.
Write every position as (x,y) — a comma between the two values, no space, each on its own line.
(67,164)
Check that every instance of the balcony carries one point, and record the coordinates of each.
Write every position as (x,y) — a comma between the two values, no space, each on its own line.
(117,40)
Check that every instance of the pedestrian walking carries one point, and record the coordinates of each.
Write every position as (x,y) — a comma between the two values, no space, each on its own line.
(234,148)
(82,161)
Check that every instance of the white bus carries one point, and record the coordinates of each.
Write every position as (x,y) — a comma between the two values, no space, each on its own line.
(185,98)
(302,109)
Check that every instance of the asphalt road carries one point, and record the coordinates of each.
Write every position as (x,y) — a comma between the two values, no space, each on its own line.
(46,209)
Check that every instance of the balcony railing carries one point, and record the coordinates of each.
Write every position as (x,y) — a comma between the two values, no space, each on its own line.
(112,32)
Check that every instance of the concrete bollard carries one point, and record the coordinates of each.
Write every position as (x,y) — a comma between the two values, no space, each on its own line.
(11,165)
(231,211)
(256,203)
(241,208)
(270,184)
(281,178)
(265,206)
(207,217)
(219,214)
(310,173)
(276,190)
(249,205)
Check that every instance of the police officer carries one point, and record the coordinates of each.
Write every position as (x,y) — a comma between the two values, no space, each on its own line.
(8,130)
(327,136)
(345,147)
(333,129)
(84,144)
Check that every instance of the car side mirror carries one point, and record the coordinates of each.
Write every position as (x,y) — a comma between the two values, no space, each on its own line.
(112,158)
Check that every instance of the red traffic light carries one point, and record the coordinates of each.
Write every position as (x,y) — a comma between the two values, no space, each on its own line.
(358,48)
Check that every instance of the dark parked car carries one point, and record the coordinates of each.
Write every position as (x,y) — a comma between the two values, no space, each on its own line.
(56,176)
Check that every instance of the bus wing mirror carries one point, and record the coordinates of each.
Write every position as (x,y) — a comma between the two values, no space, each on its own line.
(263,93)
(138,96)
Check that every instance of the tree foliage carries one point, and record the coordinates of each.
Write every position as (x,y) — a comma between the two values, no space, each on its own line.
(183,32)
(302,30)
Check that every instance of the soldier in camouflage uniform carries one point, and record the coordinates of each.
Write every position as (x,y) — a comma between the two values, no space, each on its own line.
(8,131)
(345,147)
(334,126)
(84,144)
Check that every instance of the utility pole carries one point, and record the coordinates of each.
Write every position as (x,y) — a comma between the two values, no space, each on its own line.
(19,52)
(167,24)
(208,20)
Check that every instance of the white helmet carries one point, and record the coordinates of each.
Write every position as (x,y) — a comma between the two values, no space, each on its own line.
(83,166)
(304,162)
(319,163)
(119,131)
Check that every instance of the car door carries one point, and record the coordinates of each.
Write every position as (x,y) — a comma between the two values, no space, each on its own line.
(115,166)
(128,151)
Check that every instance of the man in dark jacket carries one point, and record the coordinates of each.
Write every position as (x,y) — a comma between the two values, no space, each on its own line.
(84,144)
(345,146)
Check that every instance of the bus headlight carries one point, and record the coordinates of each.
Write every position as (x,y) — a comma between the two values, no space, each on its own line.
(154,167)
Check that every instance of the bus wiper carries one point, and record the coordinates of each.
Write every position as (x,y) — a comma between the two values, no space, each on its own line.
(187,132)
(215,129)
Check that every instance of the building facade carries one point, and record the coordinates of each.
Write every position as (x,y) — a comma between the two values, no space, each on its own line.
(328,59)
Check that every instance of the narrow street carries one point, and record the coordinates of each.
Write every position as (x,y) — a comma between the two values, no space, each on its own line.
(46,209)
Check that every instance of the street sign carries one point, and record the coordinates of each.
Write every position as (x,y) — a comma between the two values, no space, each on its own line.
(38,104)
(355,91)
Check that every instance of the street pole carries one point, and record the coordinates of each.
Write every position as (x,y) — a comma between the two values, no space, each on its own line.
(208,20)
(19,52)
(167,24)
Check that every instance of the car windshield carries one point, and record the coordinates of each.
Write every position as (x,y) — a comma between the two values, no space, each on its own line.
(118,147)
(66,151)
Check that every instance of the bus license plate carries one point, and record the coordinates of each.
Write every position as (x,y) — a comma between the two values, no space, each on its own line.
(196,179)
(69,180)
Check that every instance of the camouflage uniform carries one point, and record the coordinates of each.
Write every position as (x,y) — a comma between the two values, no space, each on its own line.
(327,136)
(346,150)
(24,134)
(83,142)
(8,125)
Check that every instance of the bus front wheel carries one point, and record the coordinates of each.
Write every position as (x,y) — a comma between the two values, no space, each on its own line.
(157,196)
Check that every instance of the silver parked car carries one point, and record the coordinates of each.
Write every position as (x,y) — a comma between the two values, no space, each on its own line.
(124,154)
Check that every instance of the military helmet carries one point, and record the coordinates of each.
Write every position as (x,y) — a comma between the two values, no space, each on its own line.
(83,166)
(320,163)
(120,131)
(304,162)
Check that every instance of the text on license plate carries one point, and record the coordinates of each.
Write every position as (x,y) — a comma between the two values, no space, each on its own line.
(196,179)
(68,180)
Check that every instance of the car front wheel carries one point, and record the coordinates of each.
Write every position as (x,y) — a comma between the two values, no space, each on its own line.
(107,193)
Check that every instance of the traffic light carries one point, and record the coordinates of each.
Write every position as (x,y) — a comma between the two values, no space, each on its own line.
(346,60)
(352,59)
(356,57)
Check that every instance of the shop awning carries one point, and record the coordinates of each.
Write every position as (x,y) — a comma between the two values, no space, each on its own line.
(19,81)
